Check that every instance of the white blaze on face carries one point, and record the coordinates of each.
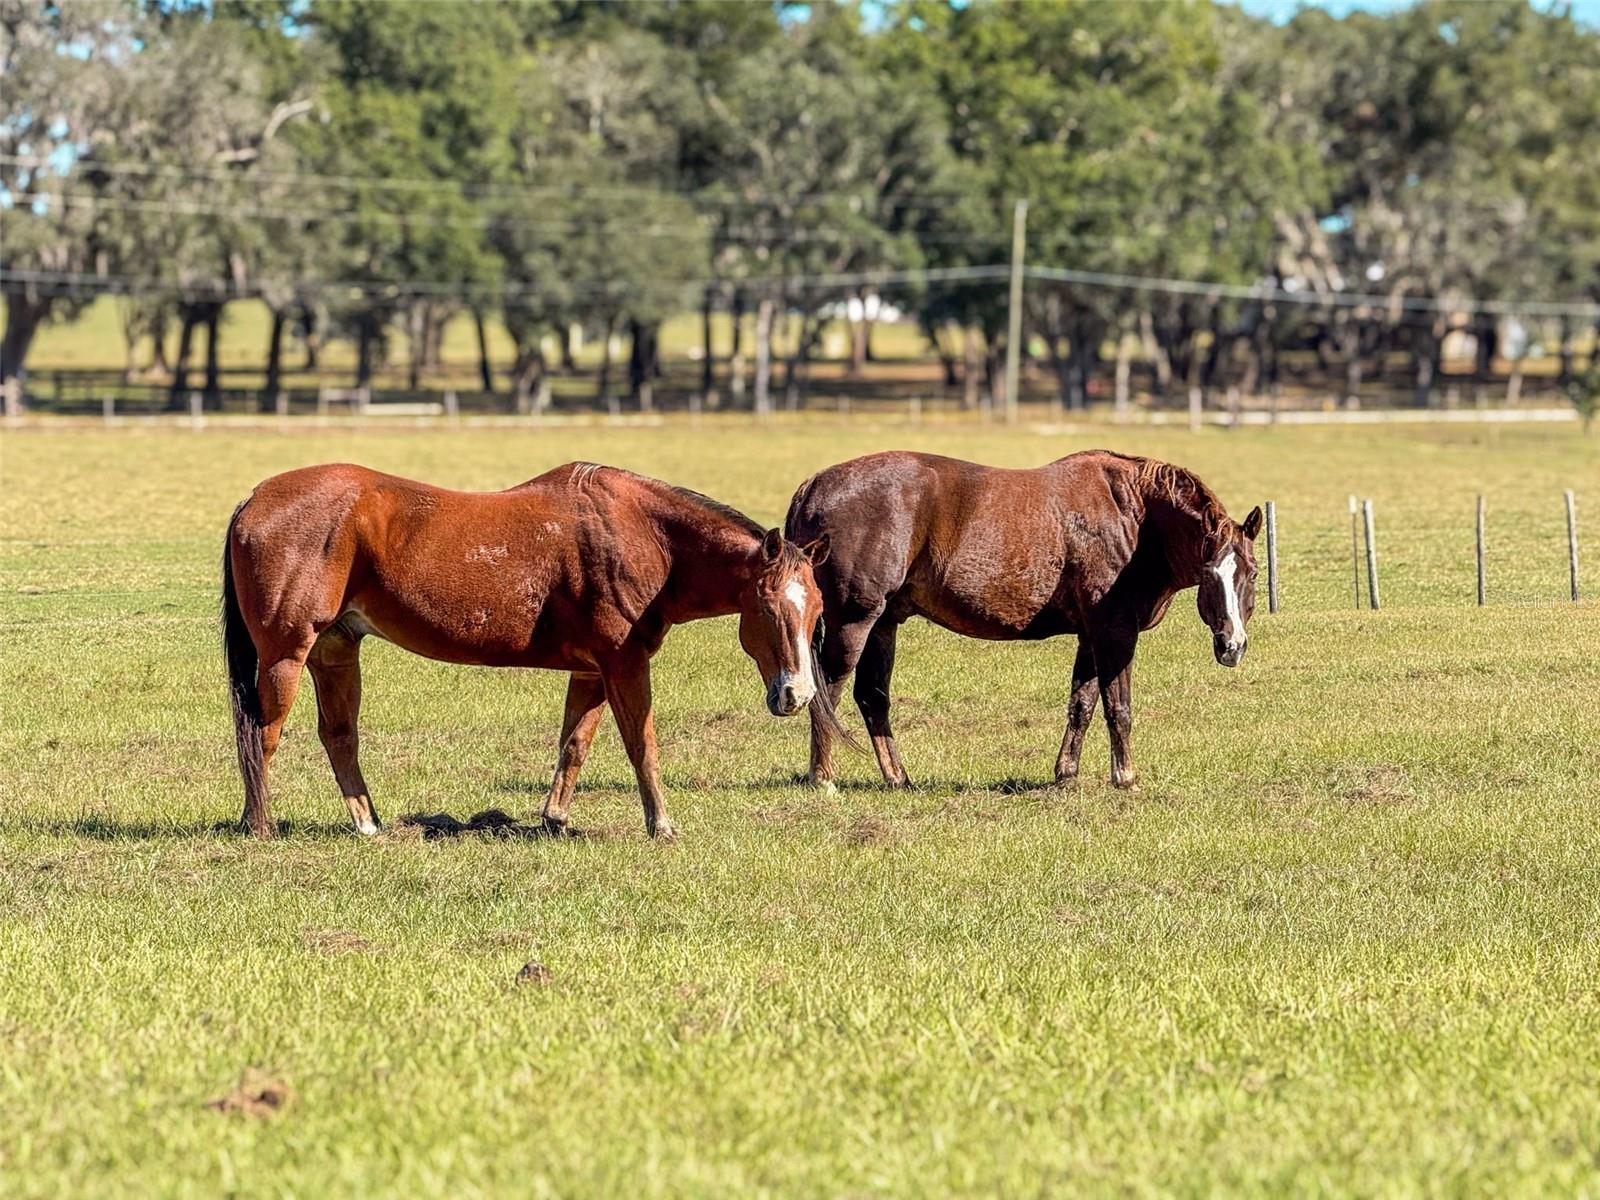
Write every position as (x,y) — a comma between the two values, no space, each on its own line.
(804,685)
(1225,571)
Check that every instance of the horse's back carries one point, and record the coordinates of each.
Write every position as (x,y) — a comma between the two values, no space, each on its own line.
(986,551)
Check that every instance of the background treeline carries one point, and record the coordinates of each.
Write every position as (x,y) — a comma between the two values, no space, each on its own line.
(366,169)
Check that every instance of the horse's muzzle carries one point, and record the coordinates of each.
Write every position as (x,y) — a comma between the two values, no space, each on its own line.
(784,699)
(1228,652)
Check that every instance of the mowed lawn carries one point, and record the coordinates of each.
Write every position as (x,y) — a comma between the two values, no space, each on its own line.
(1345,939)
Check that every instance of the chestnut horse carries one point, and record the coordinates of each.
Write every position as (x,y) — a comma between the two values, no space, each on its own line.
(583,569)
(1095,544)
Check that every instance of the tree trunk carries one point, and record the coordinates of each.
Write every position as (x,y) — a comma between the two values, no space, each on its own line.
(485,368)
(1564,375)
(763,386)
(603,385)
(708,355)
(529,379)
(176,399)
(1156,353)
(1514,382)
(365,336)
(23,318)
(1426,348)
(736,364)
(564,338)
(312,338)
(1350,348)
(641,364)
(434,319)
(158,336)
(971,367)
(213,392)
(269,395)
(417,338)
(860,339)
(1122,393)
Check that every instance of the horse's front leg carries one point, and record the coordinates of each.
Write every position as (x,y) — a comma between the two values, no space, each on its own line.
(1113,657)
(1080,711)
(627,686)
(586,702)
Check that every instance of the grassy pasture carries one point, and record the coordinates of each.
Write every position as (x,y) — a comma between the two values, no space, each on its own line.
(1344,939)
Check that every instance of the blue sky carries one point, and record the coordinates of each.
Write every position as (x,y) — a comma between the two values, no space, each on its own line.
(1587,11)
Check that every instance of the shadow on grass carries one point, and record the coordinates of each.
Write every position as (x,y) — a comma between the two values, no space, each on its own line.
(107,829)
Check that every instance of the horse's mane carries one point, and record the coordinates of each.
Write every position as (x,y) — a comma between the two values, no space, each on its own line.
(1185,493)
(726,511)
(1181,488)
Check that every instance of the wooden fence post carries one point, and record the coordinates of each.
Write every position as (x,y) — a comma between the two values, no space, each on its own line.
(196,418)
(1572,541)
(1272,557)
(916,408)
(1482,578)
(108,407)
(1372,555)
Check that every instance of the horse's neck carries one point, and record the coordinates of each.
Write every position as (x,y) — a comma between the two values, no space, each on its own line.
(711,567)
(1184,531)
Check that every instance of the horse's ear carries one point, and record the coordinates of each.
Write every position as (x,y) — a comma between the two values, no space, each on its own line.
(772,546)
(817,550)
(1252,523)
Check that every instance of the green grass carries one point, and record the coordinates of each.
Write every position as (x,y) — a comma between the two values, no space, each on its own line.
(1344,939)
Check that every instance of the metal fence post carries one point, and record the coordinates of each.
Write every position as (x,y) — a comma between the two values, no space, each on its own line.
(1355,556)
(1482,577)
(1272,557)
(1572,540)
(1372,555)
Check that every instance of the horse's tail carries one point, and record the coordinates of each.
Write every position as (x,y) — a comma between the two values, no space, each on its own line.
(797,502)
(239,651)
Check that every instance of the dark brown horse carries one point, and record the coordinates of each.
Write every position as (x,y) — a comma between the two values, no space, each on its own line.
(1094,544)
(583,569)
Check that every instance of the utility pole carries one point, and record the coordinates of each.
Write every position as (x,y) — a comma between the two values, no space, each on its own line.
(1019,227)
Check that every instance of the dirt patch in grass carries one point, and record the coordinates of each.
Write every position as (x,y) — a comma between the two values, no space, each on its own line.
(1381,783)
(257,1094)
(334,942)
(869,830)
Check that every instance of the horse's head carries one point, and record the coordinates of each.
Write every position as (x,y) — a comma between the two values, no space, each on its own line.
(778,615)
(1228,587)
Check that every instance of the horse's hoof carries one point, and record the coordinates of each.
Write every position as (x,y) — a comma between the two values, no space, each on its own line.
(666,831)
(826,786)
(1066,777)
(1129,783)
(553,827)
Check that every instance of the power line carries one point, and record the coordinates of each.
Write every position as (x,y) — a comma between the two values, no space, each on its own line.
(67,281)
(794,282)
(917,198)
(568,225)
(1196,287)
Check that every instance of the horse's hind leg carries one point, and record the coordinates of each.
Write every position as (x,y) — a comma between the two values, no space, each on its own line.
(873,674)
(1080,711)
(335,663)
(277,681)
(586,703)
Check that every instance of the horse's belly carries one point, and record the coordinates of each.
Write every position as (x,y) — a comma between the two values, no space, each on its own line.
(1020,618)
(475,635)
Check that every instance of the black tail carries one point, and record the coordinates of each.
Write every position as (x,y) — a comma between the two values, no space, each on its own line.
(240,653)
(822,710)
